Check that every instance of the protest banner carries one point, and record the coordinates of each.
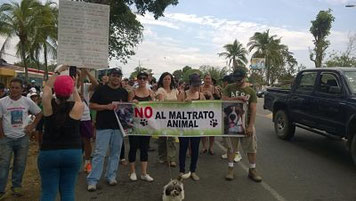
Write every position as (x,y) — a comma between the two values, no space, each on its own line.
(83,34)
(178,119)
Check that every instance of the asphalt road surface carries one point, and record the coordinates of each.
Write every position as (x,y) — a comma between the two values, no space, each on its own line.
(307,168)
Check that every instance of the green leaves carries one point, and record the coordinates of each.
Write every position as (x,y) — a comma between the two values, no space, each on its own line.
(235,54)
(320,29)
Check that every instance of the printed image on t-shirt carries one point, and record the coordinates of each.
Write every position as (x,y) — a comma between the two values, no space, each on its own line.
(16,117)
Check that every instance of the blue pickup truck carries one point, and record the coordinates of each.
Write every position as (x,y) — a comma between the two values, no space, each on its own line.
(321,100)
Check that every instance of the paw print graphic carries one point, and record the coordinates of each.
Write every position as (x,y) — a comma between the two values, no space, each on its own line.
(213,122)
(143,122)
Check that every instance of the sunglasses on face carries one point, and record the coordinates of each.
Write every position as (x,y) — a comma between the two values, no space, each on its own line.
(142,78)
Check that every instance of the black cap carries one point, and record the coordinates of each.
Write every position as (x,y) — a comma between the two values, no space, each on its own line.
(226,78)
(238,74)
(142,73)
(115,71)
(194,79)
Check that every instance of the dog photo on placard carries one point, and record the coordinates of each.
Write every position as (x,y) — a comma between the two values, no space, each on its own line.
(124,113)
(234,118)
(174,190)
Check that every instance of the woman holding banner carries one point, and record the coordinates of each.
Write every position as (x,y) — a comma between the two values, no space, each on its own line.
(190,95)
(140,142)
(167,92)
(210,93)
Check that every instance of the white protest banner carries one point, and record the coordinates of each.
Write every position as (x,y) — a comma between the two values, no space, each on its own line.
(195,119)
(83,34)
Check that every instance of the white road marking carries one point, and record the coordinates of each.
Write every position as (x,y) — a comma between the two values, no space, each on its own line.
(267,187)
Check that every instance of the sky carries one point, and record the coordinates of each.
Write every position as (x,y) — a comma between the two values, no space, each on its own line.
(195,31)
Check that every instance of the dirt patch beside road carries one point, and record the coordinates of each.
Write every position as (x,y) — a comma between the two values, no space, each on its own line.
(31,180)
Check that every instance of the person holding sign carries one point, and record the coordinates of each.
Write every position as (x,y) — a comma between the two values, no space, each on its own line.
(190,95)
(60,157)
(108,134)
(240,91)
(167,92)
(210,93)
(140,142)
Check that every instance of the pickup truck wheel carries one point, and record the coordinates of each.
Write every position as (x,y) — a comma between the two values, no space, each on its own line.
(353,149)
(282,126)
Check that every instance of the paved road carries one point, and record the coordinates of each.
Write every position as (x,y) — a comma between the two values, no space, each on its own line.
(310,167)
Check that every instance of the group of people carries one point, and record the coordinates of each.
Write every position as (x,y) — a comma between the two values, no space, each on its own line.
(73,109)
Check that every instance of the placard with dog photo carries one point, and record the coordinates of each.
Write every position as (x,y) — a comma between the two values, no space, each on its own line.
(234,116)
(125,115)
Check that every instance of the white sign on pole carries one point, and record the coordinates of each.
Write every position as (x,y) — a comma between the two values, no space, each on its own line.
(83,34)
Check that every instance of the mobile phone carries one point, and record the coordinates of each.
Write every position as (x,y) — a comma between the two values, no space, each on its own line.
(72,71)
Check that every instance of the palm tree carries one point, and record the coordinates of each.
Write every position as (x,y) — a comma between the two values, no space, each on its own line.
(20,18)
(268,47)
(45,36)
(236,54)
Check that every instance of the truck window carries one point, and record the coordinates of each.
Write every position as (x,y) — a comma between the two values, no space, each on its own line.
(306,82)
(327,80)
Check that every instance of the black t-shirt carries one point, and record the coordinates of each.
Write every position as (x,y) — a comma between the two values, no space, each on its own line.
(105,95)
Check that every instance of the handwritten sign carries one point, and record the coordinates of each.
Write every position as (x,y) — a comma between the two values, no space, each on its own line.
(83,34)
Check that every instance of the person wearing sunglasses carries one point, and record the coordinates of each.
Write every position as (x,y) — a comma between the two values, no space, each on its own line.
(140,142)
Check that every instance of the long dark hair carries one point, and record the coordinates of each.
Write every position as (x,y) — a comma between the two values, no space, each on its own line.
(61,110)
(160,82)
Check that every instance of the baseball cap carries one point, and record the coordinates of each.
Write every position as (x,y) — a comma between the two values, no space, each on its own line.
(226,78)
(238,74)
(29,95)
(63,86)
(115,71)
(194,80)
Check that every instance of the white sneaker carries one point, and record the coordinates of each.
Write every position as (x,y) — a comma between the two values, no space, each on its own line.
(133,177)
(186,175)
(238,157)
(224,156)
(147,177)
(91,188)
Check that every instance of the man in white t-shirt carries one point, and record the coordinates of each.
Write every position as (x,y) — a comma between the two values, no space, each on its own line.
(15,125)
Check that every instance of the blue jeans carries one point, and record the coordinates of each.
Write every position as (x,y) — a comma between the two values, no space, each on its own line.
(59,169)
(106,138)
(18,146)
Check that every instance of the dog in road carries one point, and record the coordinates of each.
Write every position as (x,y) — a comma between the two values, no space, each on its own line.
(233,119)
(174,190)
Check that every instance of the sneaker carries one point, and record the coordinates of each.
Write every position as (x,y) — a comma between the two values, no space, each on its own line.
(17,191)
(186,175)
(230,174)
(123,162)
(2,196)
(133,177)
(252,174)
(87,168)
(172,164)
(147,177)
(112,182)
(91,187)
(224,156)
(238,157)
(195,177)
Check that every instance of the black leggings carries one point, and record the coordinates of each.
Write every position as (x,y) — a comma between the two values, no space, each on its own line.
(184,143)
(139,142)
(122,154)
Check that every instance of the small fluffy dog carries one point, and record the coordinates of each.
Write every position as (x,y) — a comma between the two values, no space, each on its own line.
(174,190)
(233,119)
